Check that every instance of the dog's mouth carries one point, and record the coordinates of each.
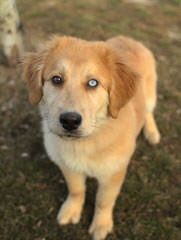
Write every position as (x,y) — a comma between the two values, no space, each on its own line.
(69,135)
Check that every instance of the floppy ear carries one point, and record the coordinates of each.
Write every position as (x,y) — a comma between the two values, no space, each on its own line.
(123,86)
(33,67)
(33,76)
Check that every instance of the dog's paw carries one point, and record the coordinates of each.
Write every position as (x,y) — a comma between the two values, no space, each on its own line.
(100,227)
(153,137)
(70,212)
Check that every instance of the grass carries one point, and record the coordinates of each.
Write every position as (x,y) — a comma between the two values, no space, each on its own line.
(32,188)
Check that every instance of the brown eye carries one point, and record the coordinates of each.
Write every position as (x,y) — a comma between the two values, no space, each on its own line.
(57,80)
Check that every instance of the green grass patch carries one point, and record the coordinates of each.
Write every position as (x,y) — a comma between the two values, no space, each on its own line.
(32,188)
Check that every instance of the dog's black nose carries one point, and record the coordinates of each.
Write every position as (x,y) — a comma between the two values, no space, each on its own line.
(70,120)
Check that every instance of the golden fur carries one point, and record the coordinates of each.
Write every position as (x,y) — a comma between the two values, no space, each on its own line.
(113,115)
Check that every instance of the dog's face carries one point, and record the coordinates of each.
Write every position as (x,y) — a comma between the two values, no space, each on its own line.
(80,85)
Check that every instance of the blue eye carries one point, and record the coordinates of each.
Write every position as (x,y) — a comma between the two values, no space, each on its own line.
(92,83)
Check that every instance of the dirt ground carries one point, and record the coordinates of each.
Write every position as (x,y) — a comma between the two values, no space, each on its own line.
(32,188)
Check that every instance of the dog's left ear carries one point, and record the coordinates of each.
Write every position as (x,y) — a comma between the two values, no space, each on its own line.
(123,86)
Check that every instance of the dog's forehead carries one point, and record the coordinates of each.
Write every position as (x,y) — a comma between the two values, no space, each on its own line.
(77,66)
(85,59)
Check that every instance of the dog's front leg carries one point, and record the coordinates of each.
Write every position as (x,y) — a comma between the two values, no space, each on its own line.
(70,211)
(107,192)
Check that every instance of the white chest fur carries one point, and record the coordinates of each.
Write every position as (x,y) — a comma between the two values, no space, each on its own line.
(77,157)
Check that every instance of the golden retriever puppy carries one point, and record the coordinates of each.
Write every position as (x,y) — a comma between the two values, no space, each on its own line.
(94,98)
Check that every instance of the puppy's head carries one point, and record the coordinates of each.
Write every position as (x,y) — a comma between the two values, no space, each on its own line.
(79,85)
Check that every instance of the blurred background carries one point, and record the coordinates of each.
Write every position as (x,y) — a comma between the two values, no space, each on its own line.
(31,187)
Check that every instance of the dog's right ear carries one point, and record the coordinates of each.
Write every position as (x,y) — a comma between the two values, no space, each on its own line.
(33,67)
(34,63)
(32,74)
